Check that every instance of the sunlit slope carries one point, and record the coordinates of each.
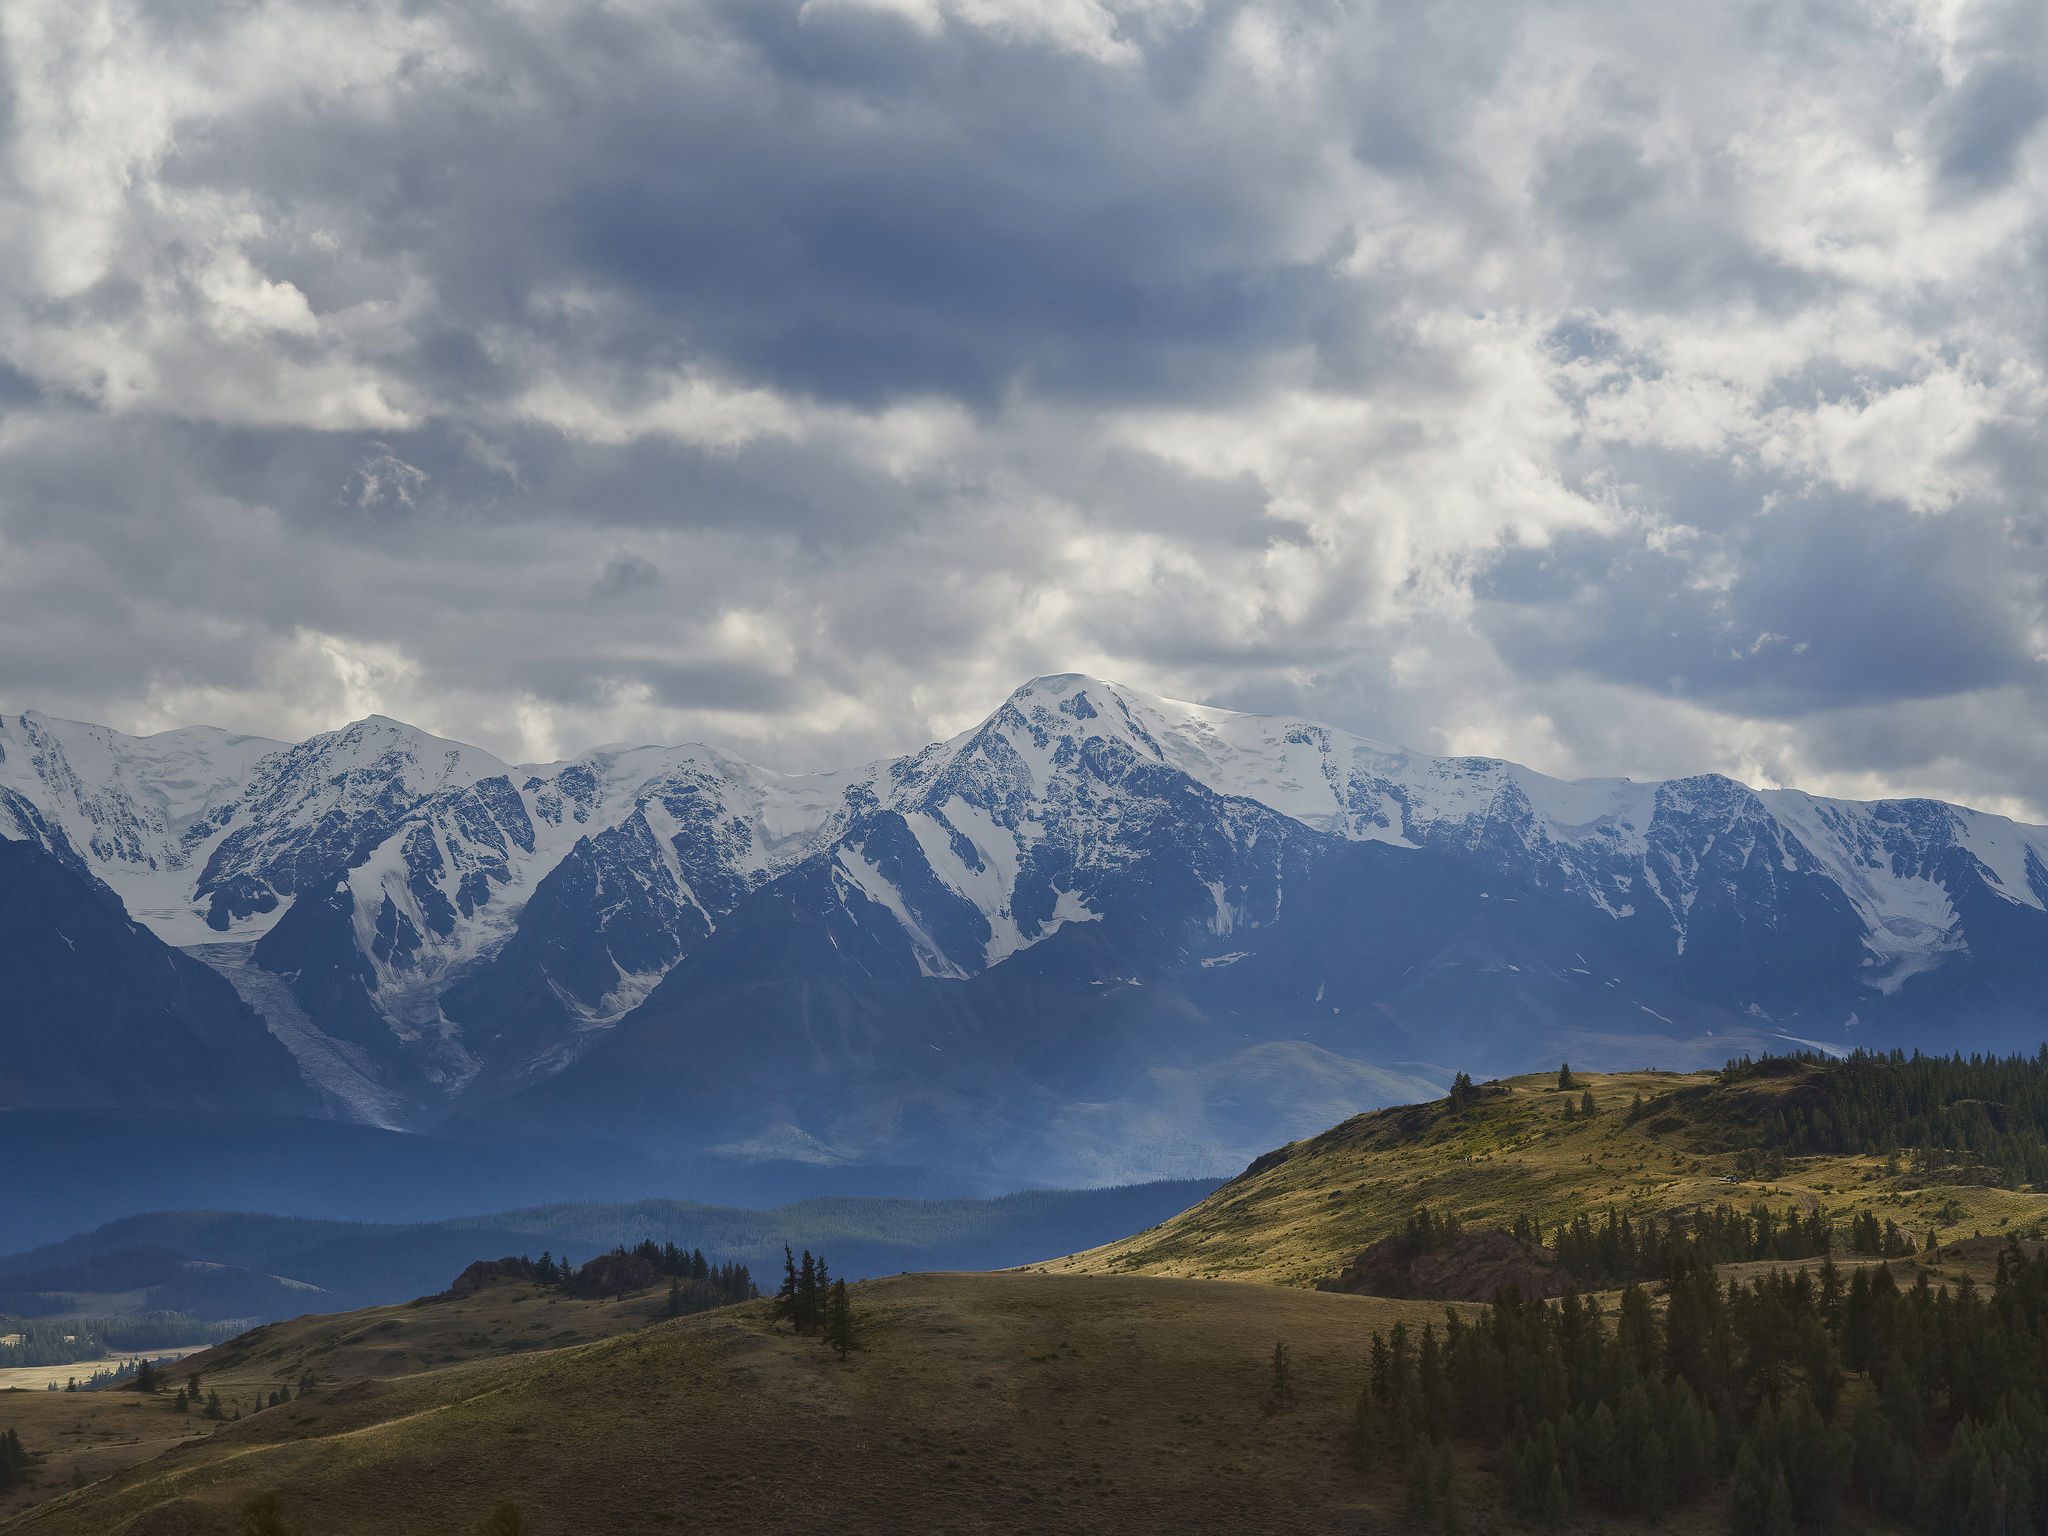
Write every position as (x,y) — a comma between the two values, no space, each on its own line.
(1299,1213)
(980,1403)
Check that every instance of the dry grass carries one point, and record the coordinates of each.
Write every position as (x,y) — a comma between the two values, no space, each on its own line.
(980,1403)
(1084,1395)
(1304,1218)
(98,1434)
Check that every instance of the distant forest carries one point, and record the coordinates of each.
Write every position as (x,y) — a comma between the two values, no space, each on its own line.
(39,1341)
(1985,1113)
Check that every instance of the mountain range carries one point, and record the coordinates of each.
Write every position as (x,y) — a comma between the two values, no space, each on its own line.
(1101,937)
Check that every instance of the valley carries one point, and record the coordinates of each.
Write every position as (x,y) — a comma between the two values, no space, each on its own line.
(1123,1388)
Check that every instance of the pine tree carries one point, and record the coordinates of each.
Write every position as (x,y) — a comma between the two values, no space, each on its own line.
(182,1403)
(786,1303)
(1364,1426)
(1749,1494)
(1778,1508)
(807,1293)
(1557,1508)
(1586,1105)
(1422,1488)
(213,1408)
(1564,1078)
(839,1319)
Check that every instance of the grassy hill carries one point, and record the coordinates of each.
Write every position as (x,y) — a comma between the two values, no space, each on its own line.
(1087,1395)
(1299,1213)
(979,1403)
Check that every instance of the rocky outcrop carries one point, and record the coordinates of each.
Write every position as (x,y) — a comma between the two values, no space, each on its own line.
(487,1272)
(1470,1267)
(613,1274)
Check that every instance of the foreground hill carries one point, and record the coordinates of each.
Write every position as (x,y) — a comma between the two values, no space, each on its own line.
(1101,937)
(1299,1214)
(1817,1365)
(978,1403)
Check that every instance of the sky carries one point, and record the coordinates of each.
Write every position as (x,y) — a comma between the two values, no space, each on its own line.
(1616,388)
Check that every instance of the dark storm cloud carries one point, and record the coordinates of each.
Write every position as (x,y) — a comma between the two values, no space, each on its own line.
(1617,389)
(1828,602)
(823,199)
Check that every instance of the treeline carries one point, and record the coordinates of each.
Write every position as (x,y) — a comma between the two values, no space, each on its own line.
(1620,1248)
(696,1284)
(1937,1111)
(1798,1391)
(38,1341)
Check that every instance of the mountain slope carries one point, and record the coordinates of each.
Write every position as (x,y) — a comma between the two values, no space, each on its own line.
(97,1012)
(1102,935)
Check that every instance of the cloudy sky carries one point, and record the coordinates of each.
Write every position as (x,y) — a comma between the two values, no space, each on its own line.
(1616,387)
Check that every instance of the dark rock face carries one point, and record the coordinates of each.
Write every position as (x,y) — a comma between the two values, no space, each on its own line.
(488,1272)
(97,1012)
(613,1274)
(1471,1267)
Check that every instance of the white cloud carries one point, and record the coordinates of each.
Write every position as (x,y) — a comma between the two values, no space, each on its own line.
(1621,390)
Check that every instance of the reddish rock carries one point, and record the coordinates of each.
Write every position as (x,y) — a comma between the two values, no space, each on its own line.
(489,1272)
(1471,1267)
(613,1274)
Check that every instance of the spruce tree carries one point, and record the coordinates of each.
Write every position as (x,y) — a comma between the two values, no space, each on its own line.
(1557,1507)
(839,1319)
(1778,1508)
(1586,1105)
(1564,1078)
(1422,1487)
(784,1308)
(1364,1425)
(807,1293)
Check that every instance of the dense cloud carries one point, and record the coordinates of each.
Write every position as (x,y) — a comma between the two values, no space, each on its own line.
(1621,389)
